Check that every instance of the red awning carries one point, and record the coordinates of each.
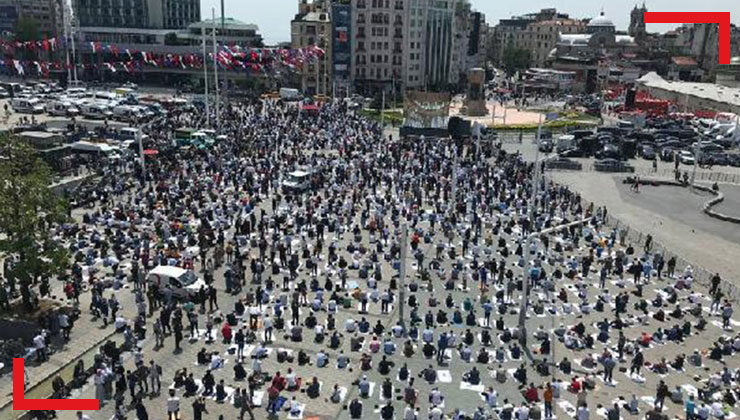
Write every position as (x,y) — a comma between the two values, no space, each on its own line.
(151,152)
(309,107)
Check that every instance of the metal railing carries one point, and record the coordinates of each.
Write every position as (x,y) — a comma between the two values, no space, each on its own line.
(702,276)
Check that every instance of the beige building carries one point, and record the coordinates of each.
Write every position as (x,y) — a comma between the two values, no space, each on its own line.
(312,26)
(540,38)
(378,44)
(522,32)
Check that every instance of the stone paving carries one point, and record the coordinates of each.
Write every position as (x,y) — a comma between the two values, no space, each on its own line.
(455,395)
(431,296)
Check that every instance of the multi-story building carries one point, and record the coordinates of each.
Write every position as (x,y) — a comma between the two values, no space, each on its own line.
(341,48)
(540,38)
(524,33)
(154,14)
(378,44)
(312,26)
(47,15)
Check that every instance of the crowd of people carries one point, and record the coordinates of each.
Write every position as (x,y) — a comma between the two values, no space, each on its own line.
(301,290)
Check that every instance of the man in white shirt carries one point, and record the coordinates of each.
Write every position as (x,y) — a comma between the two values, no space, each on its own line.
(216,361)
(523,412)
(173,406)
(435,413)
(39,343)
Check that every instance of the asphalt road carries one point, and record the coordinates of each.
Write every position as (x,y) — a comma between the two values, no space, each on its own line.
(683,205)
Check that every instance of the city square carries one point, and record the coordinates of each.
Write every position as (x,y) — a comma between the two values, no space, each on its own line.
(255,232)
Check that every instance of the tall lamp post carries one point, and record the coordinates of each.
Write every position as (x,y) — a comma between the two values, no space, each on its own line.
(528,243)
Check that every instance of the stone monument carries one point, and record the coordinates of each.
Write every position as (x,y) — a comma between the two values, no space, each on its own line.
(475,101)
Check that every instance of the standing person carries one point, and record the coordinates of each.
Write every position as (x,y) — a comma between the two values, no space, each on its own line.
(690,408)
(637,362)
(547,396)
(173,406)
(155,372)
(272,399)
(141,413)
(39,343)
(660,393)
(199,407)
(212,298)
(716,280)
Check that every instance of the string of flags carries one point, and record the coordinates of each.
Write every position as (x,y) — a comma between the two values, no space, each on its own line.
(111,58)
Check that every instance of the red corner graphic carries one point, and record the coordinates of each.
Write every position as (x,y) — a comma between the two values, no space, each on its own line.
(20,403)
(723,18)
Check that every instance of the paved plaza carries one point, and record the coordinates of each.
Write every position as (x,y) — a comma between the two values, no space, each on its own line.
(472,249)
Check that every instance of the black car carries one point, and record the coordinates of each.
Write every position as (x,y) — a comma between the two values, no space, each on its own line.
(612,165)
(563,163)
(609,151)
(648,153)
(667,154)
(545,146)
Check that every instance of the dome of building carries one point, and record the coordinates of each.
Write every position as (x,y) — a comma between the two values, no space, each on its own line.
(600,21)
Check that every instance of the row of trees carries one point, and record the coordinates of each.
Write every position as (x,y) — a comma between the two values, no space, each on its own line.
(28,211)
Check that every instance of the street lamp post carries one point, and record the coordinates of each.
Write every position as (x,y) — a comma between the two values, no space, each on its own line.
(402,276)
(528,243)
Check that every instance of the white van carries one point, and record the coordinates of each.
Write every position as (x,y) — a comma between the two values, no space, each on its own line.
(183,283)
(289,94)
(27,105)
(95,111)
(127,113)
(297,182)
(61,109)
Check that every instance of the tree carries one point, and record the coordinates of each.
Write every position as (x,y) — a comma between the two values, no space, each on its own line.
(28,209)
(515,59)
(26,29)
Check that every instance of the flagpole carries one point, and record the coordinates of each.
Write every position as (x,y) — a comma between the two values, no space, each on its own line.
(73,25)
(66,47)
(215,69)
(205,76)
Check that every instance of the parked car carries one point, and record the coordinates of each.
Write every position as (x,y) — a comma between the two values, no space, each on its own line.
(27,105)
(613,165)
(733,160)
(686,157)
(667,154)
(609,151)
(563,163)
(546,145)
(183,283)
(648,153)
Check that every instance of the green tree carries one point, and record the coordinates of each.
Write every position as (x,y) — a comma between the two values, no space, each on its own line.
(26,29)
(28,209)
(515,59)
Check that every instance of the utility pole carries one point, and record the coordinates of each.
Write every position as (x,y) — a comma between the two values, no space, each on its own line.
(141,152)
(66,17)
(528,243)
(73,41)
(215,69)
(382,110)
(205,76)
(697,156)
(402,276)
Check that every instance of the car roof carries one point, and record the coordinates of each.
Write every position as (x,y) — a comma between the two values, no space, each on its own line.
(168,270)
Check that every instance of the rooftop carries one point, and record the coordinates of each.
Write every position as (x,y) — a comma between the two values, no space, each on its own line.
(708,91)
(601,20)
(230,23)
